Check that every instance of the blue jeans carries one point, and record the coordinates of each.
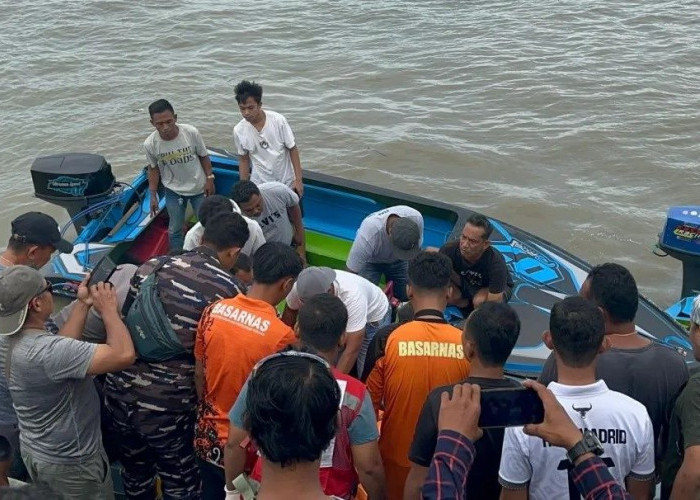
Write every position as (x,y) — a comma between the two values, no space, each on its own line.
(396,271)
(370,331)
(177,208)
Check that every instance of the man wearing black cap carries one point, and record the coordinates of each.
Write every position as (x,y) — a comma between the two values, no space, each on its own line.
(50,380)
(35,236)
(385,242)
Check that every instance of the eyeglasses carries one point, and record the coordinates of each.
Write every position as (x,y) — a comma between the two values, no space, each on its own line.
(47,288)
(291,354)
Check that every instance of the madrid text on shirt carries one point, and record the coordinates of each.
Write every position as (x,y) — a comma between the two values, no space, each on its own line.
(605,436)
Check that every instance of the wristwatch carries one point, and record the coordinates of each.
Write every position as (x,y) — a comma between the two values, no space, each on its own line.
(210,176)
(589,444)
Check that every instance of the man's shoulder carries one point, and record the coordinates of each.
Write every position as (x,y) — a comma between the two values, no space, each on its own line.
(451,249)
(188,129)
(274,115)
(650,358)
(152,138)
(241,126)
(274,187)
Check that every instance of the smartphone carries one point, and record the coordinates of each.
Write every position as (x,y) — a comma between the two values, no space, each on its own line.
(102,271)
(510,407)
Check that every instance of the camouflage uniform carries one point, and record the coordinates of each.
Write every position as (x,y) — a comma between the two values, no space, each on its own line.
(151,407)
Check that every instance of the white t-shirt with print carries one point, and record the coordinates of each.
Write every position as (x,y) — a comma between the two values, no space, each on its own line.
(177,160)
(621,424)
(365,301)
(372,242)
(255,240)
(268,149)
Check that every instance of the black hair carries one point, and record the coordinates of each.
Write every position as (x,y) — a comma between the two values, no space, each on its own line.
(430,271)
(614,289)
(160,106)
(481,221)
(246,89)
(577,328)
(212,205)
(226,230)
(243,191)
(322,320)
(19,245)
(274,261)
(243,263)
(494,327)
(292,409)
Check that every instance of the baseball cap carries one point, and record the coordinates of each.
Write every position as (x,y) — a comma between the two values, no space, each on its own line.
(314,280)
(18,286)
(39,229)
(405,238)
(695,311)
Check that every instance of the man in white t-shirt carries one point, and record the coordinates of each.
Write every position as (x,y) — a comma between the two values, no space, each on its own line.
(531,468)
(385,242)
(213,205)
(178,158)
(368,308)
(276,208)
(265,142)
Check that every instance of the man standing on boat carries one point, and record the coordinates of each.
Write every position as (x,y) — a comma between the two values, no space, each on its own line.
(385,242)
(479,272)
(178,158)
(265,141)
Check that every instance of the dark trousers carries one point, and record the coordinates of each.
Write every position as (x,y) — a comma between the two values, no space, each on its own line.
(154,442)
(396,271)
(213,480)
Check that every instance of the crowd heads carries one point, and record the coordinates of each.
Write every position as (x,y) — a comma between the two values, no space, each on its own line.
(576,331)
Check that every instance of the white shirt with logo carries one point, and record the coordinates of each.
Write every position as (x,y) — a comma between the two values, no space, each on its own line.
(268,149)
(621,424)
(177,160)
(372,242)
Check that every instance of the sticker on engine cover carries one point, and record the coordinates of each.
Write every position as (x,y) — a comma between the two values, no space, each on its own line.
(73,186)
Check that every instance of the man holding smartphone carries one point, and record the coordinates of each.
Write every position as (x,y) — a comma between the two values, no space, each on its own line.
(489,336)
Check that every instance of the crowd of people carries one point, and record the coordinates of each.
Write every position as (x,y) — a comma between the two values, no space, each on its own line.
(332,398)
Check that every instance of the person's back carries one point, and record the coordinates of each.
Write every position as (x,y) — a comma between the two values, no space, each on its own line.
(488,338)
(621,424)
(645,370)
(234,334)
(419,356)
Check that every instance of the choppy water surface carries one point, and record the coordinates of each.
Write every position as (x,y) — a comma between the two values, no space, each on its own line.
(575,121)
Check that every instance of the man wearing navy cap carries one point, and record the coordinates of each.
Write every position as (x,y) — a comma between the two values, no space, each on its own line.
(35,236)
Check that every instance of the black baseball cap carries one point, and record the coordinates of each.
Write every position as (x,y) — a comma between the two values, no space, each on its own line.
(39,229)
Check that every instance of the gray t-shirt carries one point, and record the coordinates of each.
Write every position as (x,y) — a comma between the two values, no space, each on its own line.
(56,402)
(653,375)
(178,160)
(274,220)
(7,412)
(372,243)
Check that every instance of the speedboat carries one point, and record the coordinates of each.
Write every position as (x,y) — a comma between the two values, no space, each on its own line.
(111,216)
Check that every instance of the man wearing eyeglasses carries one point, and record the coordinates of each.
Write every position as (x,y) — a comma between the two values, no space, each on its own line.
(50,381)
(34,237)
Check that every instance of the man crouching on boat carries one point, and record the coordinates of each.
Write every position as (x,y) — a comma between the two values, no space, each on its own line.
(49,377)
(479,272)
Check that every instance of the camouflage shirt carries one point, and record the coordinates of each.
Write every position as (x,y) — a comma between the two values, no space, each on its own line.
(187,284)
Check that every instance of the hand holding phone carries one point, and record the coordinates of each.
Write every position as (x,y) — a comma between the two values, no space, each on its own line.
(102,271)
(557,428)
(510,407)
(460,413)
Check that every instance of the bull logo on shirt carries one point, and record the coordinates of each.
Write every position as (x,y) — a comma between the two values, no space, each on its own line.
(582,410)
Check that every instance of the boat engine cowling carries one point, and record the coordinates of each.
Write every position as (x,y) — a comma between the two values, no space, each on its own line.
(74,181)
(680,239)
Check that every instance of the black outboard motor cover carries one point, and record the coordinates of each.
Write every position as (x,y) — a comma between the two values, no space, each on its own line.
(72,176)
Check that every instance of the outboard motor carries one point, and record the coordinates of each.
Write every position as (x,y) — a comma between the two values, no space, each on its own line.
(680,239)
(74,181)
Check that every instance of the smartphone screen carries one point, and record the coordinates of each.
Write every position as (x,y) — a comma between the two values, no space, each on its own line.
(510,407)
(102,271)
